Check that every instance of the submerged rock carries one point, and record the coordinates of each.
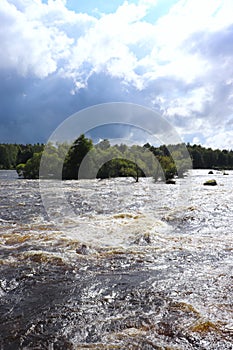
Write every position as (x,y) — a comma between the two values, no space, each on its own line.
(210,172)
(143,239)
(211,182)
(82,250)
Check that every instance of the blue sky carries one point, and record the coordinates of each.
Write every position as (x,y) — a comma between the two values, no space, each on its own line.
(97,7)
(173,56)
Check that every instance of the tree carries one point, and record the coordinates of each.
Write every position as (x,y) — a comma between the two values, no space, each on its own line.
(76,153)
(168,167)
(31,169)
(197,158)
(4,158)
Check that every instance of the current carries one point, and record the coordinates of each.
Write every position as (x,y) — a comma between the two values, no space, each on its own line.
(115,264)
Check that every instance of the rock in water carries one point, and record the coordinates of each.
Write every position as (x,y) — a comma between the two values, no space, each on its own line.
(171,182)
(210,183)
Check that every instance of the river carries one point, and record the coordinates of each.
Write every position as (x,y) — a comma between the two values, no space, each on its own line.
(117,264)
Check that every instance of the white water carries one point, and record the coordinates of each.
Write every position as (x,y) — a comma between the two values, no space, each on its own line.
(179,236)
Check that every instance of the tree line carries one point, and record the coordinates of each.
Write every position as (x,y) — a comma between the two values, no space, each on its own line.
(83,159)
(207,158)
(13,154)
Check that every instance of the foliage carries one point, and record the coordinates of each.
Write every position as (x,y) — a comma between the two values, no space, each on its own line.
(82,159)
(74,157)
(13,154)
(206,158)
(118,161)
(52,160)
(8,156)
(30,170)
(20,168)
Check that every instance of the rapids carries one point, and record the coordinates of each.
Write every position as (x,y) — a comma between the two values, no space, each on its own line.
(115,264)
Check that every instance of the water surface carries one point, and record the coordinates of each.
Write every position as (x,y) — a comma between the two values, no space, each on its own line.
(117,265)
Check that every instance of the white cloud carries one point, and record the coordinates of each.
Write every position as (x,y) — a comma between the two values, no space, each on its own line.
(192,104)
(196,140)
(148,3)
(50,32)
(32,41)
(221,139)
(108,45)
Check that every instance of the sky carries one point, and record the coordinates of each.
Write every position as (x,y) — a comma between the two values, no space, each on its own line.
(58,57)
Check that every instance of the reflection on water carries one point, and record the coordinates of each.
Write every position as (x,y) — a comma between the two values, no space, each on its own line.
(130,266)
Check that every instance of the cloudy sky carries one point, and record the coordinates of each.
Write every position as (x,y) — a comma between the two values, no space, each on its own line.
(174,56)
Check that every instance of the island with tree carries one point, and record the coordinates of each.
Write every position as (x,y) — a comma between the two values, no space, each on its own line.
(115,160)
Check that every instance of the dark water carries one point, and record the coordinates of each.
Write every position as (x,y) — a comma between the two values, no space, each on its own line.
(116,265)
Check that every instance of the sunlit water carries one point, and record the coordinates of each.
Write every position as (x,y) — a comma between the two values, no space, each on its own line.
(117,265)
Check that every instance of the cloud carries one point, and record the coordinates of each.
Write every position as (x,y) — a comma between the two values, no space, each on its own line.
(35,37)
(31,109)
(110,46)
(54,61)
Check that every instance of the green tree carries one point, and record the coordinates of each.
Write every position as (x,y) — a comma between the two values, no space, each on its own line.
(31,169)
(4,157)
(168,167)
(76,153)
(197,158)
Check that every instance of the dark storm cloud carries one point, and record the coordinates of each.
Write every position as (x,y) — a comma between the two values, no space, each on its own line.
(32,108)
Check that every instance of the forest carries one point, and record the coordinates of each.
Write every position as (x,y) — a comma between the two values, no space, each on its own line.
(104,160)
